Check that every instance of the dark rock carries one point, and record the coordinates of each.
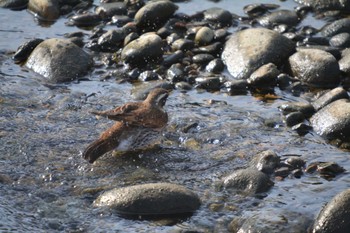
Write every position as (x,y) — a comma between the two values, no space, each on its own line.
(142,51)
(130,37)
(334,217)
(249,181)
(249,49)
(173,58)
(329,49)
(254,10)
(284,80)
(154,14)
(25,50)
(315,68)
(85,20)
(47,10)
(121,20)
(306,108)
(149,75)
(341,40)
(323,5)
(294,118)
(219,16)
(333,121)
(265,75)
(266,161)
(329,97)
(208,83)
(150,199)
(285,17)
(236,87)
(112,40)
(302,128)
(14,4)
(336,27)
(183,86)
(59,60)
(182,44)
(214,49)
(282,172)
(215,66)
(344,62)
(107,10)
(202,59)
(175,73)
(295,162)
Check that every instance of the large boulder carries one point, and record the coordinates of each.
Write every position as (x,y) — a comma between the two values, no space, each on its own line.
(59,60)
(249,49)
(333,121)
(150,199)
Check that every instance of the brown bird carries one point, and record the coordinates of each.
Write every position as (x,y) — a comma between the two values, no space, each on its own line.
(139,124)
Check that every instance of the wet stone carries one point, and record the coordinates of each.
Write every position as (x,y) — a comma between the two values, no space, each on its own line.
(326,4)
(182,44)
(249,49)
(336,27)
(175,73)
(148,75)
(183,86)
(202,59)
(111,40)
(218,15)
(334,217)
(285,17)
(150,199)
(208,83)
(340,40)
(265,75)
(59,60)
(294,118)
(173,58)
(315,67)
(295,162)
(154,14)
(142,51)
(85,20)
(333,121)
(25,50)
(236,87)
(45,9)
(344,62)
(302,128)
(254,10)
(282,172)
(266,161)
(121,20)
(306,108)
(215,66)
(250,181)
(204,36)
(107,10)
(214,49)
(14,4)
(130,37)
(329,97)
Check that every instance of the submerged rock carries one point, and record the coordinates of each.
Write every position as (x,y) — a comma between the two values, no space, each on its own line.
(150,199)
(59,60)
(249,49)
(335,216)
(266,161)
(249,181)
(333,121)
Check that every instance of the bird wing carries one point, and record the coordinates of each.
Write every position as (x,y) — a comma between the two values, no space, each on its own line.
(120,113)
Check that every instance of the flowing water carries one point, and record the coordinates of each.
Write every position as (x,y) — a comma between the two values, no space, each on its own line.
(46,186)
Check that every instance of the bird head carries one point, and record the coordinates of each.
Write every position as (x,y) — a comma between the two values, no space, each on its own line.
(158,96)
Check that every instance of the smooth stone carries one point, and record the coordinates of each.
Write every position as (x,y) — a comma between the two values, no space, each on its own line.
(315,67)
(329,97)
(14,4)
(249,49)
(108,10)
(111,40)
(306,108)
(236,87)
(154,14)
(341,40)
(144,50)
(208,83)
(249,181)
(285,17)
(59,60)
(336,27)
(25,50)
(326,4)
(334,217)
(173,58)
(294,118)
(175,73)
(344,62)
(182,44)
(215,66)
(333,121)
(45,9)
(204,36)
(266,161)
(85,20)
(265,75)
(218,15)
(148,75)
(150,199)
(202,58)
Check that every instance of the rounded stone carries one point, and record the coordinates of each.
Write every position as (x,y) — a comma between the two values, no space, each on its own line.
(266,161)
(154,14)
(286,17)
(326,4)
(218,15)
(59,60)
(265,75)
(146,49)
(329,97)
(150,199)
(204,36)
(335,216)
(45,9)
(14,4)
(315,67)
(249,181)
(333,121)
(344,62)
(249,49)
(336,27)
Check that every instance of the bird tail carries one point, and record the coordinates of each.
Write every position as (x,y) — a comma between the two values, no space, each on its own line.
(96,150)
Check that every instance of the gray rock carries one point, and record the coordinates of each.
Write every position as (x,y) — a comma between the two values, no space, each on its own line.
(249,181)
(344,62)
(326,4)
(14,4)
(266,161)
(45,9)
(329,97)
(306,108)
(286,17)
(315,67)
(59,60)
(294,118)
(111,40)
(333,121)
(266,75)
(335,216)
(218,15)
(336,27)
(146,49)
(341,40)
(154,14)
(150,199)
(107,10)
(249,49)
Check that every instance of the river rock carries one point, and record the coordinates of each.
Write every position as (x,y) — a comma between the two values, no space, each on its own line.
(306,108)
(315,67)
(45,9)
(14,4)
(336,27)
(146,49)
(204,36)
(266,161)
(150,199)
(329,97)
(111,40)
(249,49)
(344,62)
(219,16)
(108,10)
(249,181)
(154,14)
(335,216)
(266,75)
(59,60)
(333,121)
(326,4)
(286,17)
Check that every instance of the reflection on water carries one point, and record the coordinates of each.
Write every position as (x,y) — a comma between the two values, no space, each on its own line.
(47,186)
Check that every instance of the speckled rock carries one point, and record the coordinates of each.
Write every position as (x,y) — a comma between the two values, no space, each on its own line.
(249,181)
(154,14)
(326,4)
(146,49)
(150,199)
(249,49)
(59,60)
(333,121)
(45,9)
(335,216)
(315,67)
